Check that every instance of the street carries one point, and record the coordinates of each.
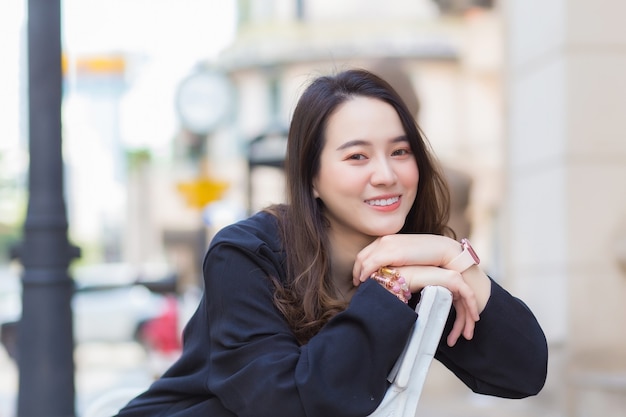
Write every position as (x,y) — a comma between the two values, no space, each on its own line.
(105,373)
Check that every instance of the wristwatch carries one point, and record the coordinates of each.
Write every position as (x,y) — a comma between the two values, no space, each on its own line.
(465,259)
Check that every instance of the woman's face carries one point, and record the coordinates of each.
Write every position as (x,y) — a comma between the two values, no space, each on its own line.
(368,175)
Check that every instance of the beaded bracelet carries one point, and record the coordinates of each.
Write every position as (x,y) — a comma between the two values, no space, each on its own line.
(393,282)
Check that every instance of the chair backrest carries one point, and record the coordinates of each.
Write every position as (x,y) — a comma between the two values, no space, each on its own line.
(409,373)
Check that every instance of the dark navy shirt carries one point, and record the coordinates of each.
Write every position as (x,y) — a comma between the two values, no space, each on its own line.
(240,357)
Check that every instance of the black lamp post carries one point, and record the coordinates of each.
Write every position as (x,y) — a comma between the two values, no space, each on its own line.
(45,337)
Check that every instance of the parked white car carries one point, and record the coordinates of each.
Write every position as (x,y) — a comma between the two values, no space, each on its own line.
(110,303)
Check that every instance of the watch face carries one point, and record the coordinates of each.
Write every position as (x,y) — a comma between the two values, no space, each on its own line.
(204,99)
(467,245)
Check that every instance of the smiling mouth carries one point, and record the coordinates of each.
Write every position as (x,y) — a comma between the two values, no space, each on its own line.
(383,202)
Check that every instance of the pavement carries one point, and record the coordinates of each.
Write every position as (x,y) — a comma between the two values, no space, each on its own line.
(102,371)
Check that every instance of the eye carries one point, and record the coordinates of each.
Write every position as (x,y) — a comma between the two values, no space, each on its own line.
(356,157)
(401,152)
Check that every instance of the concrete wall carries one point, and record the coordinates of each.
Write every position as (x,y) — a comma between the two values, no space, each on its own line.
(566,182)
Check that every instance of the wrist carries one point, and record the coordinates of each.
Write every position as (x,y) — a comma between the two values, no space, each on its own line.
(451,251)
(393,282)
(464,259)
(480,284)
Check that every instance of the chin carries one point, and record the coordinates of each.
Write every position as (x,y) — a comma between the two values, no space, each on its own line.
(384,231)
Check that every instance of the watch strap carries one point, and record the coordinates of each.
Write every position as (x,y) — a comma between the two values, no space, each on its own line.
(464,260)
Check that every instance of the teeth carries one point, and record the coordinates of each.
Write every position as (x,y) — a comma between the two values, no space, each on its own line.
(383,202)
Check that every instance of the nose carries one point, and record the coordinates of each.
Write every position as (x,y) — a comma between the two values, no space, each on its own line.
(382,172)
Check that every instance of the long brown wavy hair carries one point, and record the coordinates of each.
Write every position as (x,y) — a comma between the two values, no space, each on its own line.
(309,298)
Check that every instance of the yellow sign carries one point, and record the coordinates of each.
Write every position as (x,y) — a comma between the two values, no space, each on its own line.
(202,191)
(95,64)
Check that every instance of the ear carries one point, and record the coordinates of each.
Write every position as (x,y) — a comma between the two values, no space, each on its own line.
(315,193)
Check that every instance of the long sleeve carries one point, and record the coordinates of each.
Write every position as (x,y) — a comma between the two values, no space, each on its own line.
(257,367)
(240,358)
(508,355)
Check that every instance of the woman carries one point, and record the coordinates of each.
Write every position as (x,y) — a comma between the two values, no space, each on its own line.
(299,317)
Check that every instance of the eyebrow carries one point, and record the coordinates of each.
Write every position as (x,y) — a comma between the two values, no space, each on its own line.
(361,142)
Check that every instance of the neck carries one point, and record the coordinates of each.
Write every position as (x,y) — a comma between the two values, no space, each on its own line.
(343,251)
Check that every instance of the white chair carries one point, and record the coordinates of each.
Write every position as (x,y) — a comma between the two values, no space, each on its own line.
(409,373)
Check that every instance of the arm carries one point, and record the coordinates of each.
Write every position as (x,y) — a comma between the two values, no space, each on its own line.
(507,353)
(507,356)
(258,368)
(419,250)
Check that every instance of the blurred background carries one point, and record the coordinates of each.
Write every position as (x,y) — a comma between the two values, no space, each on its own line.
(174,124)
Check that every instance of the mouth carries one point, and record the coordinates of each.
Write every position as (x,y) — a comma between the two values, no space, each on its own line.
(383,202)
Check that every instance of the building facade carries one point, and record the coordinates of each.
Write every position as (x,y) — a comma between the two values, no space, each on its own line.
(523,101)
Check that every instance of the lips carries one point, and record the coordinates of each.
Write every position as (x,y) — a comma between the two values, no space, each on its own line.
(383,202)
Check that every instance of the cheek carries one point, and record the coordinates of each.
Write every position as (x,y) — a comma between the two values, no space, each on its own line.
(410,177)
(348,181)
(326,179)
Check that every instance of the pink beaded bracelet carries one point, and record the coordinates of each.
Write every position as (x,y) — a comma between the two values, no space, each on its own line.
(393,282)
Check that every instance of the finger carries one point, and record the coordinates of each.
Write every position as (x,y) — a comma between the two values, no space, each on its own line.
(469,298)
(467,314)
(360,274)
(360,270)
(473,308)
(356,273)
(457,327)
(470,310)
(468,330)
(366,268)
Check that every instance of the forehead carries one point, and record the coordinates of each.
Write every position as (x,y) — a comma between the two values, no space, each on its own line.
(363,118)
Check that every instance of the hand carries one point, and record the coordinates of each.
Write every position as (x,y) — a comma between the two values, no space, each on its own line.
(401,250)
(463,296)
